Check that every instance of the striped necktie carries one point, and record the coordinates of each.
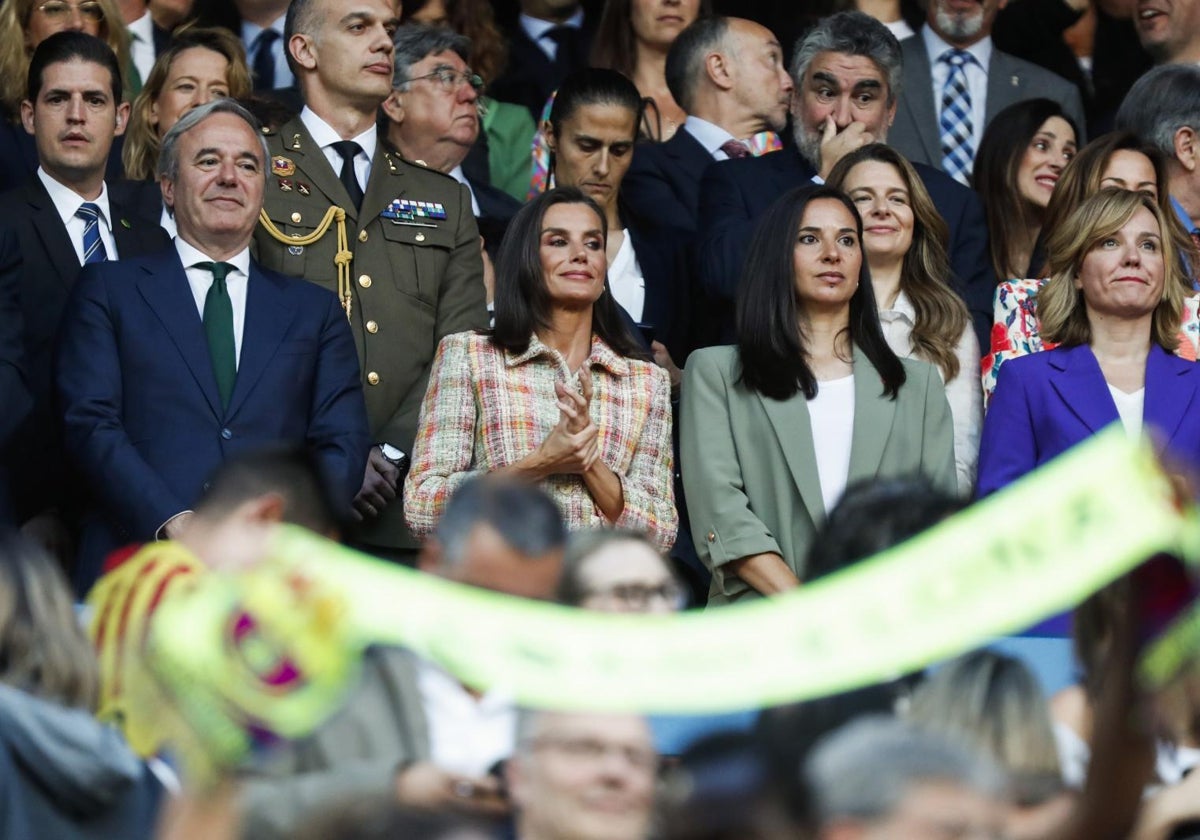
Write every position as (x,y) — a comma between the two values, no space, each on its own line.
(93,246)
(956,128)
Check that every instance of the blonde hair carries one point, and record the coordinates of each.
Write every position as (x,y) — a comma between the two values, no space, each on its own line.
(993,704)
(142,139)
(1061,306)
(941,315)
(15,53)
(43,649)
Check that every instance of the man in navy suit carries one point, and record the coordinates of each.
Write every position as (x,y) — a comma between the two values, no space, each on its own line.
(171,363)
(729,75)
(846,70)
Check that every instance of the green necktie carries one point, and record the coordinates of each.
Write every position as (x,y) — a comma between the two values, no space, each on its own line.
(218,327)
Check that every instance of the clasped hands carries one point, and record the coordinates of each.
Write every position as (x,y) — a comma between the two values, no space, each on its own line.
(573,445)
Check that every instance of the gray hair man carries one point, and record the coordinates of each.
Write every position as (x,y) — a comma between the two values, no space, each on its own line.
(883,778)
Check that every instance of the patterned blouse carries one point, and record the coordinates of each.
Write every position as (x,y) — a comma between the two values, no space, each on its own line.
(486,409)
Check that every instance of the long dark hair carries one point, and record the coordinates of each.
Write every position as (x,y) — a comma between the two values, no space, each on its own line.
(615,45)
(771,345)
(1009,215)
(522,301)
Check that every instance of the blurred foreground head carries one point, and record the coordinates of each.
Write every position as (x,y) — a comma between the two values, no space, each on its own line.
(618,571)
(582,776)
(500,535)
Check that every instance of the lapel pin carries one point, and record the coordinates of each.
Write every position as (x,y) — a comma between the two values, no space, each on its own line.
(302,188)
(285,185)
(283,167)
(125,224)
(1016,82)
(296,142)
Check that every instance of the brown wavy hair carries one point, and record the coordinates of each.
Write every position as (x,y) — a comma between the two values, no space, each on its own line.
(15,52)
(476,20)
(142,140)
(941,315)
(1061,305)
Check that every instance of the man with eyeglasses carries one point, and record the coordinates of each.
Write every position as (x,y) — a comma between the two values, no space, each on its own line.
(63,218)
(579,776)
(404,259)
(433,118)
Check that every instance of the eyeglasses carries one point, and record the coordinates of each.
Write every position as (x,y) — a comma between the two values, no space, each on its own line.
(592,750)
(449,79)
(57,10)
(638,596)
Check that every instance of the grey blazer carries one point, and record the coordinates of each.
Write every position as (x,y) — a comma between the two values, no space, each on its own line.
(1010,80)
(750,466)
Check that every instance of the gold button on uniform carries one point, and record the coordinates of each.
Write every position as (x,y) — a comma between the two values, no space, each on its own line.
(372,327)
(373,378)
(364,280)
(295,217)
(362,236)
(712,536)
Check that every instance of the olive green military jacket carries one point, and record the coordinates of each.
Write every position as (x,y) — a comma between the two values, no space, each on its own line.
(413,278)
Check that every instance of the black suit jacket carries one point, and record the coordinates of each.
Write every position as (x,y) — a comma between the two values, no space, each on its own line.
(734,193)
(664,180)
(14,389)
(44,277)
(531,76)
(496,210)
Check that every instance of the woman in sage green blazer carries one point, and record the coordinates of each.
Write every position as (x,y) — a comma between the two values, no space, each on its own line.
(809,399)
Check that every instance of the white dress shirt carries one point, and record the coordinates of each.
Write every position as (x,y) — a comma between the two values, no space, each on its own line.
(250,33)
(1129,409)
(458,175)
(466,735)
(324,136)
(536,29)
(201,280)
(141,45)
(977,78)
(831,413)
(963,392)
(712,137)
(67,201)
(626,280)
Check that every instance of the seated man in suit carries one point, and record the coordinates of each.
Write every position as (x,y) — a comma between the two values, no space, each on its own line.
(729,75)
(171,363)
(955,81)
(62,218)
(433,118)
(847,72)
(410,729)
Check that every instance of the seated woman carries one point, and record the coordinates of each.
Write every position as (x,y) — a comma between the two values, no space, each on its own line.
(810,399)
(23,25)
(591,134)
(633,38)
(1113,302)
(1118,159)
(1022,154)
(559,391)
(199,66)
(905,240)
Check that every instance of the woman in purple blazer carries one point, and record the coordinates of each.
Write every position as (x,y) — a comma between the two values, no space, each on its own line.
(1113,302)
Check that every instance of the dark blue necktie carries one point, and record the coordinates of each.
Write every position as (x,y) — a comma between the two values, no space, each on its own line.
(264,60)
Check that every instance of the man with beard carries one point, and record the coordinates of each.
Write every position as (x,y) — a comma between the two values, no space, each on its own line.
(847,73)
(955,81)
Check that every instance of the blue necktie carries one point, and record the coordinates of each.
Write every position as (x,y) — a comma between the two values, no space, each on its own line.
(958,154)
(264,61)
(93,247)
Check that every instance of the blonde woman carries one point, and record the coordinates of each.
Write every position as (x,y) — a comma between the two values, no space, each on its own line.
(199,66)
(23,25)
(905,238)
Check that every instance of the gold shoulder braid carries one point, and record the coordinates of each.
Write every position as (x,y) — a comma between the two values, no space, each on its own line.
(341,259)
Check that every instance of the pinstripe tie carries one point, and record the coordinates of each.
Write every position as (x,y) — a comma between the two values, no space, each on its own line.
(958,154)
(93,246)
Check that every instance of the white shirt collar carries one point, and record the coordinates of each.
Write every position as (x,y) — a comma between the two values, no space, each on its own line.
(143,28)
(251,31)
(190,255)
(981,50)
(902,307)
(67,201)
(458,175)
(535,28)
(324,135)
(709,135)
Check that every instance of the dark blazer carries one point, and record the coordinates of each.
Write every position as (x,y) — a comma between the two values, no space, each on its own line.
(14,388)
(734,193)
(530,76)
(142,413)
(664,179)
(45,276)
(1010,80)
(496,210)
(1047,402)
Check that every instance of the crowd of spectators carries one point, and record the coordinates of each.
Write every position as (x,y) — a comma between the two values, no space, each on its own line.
(639,306)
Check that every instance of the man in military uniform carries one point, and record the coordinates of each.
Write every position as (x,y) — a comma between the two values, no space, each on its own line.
(414,272)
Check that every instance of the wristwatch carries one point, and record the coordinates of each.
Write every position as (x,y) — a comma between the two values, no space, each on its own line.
(392,455)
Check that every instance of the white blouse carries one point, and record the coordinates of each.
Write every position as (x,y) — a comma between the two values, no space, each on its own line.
(831,413)
(626,281)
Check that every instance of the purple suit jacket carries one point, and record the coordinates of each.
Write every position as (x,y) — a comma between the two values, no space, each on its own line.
(1047,402)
